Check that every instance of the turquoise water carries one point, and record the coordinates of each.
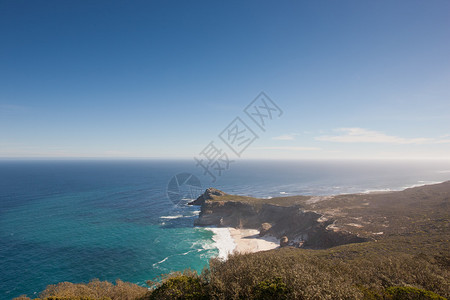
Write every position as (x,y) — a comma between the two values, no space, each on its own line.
(78,220)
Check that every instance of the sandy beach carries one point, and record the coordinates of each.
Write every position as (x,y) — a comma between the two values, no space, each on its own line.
(249,241)
(231,240)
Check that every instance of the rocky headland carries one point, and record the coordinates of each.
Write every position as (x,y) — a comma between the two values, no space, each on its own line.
(320,222)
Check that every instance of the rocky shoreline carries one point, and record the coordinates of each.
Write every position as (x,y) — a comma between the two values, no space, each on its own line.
(292,225)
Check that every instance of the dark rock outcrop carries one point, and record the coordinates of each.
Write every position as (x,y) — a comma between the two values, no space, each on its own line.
(264,229)
(207,195)
(284,241)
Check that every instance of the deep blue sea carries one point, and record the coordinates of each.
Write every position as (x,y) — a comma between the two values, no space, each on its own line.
(79,220)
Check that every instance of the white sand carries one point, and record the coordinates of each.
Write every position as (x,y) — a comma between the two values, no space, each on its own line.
(231,240)
(249,241)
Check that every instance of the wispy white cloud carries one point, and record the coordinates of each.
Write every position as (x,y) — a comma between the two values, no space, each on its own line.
(444,141)
(292,148)
(285,137)
(361,135)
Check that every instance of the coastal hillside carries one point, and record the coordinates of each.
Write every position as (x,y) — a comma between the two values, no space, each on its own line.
(327,221)
(392,245)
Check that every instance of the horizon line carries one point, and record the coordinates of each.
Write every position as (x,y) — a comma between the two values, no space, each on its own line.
(4,158)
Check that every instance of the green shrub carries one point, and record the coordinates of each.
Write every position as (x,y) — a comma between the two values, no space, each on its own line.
(411,293)
(181,287)
(303,276)
(271,289)
(74,298)
(371,294)
(98,290)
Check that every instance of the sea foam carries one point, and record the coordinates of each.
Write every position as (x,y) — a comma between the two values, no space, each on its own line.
(222,241)
(171,217)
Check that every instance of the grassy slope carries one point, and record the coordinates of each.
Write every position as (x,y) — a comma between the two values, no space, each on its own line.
(281,201)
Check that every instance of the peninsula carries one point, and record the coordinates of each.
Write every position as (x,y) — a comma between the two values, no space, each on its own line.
(320,222)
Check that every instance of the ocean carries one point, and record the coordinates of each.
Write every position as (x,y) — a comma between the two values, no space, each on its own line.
(69,220)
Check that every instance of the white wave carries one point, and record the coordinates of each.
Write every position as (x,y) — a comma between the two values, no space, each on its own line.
(222,241)
(185,253)
(202,245)
(188,215)
(207,245)
(420,183)
(376,191)
(171,217)
(160,262)
(283,193)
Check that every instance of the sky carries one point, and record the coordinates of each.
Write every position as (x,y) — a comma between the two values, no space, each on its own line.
(167,79)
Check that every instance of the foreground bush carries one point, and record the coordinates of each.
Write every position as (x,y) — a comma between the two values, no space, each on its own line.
(271,289)
(180,286)
(411,293)
(61,298)
(94,290)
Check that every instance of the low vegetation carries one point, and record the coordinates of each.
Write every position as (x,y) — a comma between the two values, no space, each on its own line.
(94,290)
(279,201)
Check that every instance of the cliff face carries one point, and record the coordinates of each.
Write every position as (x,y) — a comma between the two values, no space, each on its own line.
(290,221)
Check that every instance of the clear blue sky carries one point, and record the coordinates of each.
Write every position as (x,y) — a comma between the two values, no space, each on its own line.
(361,79)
